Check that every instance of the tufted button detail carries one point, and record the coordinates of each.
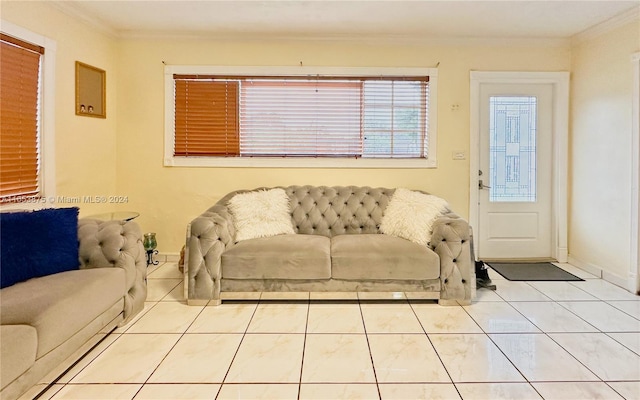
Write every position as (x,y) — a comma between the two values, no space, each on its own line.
(463,281)
(444,240)
(455,260)
(462,241)
(446,280)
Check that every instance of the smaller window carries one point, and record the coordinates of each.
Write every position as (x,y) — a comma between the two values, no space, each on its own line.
(20,63)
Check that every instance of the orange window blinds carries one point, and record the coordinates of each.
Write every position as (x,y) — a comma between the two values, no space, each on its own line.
(19,119)
(284,116)
(206,118)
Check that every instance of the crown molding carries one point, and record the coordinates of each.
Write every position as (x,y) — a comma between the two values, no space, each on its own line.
(415,40)
(70,9)
(607,26)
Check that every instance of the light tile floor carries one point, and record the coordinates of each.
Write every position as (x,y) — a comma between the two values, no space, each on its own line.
(527,340)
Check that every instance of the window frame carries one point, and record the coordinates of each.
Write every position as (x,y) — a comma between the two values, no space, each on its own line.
(47,167)
(298,162)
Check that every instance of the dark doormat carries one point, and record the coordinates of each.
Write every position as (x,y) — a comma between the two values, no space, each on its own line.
(532,272)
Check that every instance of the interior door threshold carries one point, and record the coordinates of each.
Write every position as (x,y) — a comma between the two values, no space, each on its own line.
(520,260)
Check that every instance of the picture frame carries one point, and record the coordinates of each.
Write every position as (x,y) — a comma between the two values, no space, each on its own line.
(90,91)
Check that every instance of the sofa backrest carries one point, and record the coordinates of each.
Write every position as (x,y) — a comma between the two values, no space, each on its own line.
(337,210)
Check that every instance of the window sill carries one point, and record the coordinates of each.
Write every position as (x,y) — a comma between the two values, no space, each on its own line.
(302,162)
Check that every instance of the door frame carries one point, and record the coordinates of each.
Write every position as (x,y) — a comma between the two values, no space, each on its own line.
(634,269)
(560,146)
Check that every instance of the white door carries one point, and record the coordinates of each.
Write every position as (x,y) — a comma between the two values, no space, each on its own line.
(515,171)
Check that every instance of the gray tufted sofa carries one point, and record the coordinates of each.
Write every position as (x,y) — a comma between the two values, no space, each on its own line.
(337,248)
(47,323)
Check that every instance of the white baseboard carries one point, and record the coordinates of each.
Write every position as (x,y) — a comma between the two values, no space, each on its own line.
(628,283)
(562,254)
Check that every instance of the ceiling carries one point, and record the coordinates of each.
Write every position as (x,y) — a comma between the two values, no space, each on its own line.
(420,19)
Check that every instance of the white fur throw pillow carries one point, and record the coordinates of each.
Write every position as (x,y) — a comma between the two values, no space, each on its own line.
(261,214)
(410,215)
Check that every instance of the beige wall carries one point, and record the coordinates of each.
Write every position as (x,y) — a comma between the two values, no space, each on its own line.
(85,147)
(600,210)
(169,197)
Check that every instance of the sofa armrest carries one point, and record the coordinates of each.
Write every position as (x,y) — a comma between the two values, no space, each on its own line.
(451,241)
(207,238)
(116,244)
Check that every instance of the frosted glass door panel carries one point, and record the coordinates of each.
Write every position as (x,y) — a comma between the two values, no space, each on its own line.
(512,148)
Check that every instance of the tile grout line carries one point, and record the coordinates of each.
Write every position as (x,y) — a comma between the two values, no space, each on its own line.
(434,347)
(170,350)
(304,346)
(246,330)
(366,336)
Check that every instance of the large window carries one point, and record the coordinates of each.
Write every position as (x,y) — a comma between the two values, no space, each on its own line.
(222,119)
(26,92)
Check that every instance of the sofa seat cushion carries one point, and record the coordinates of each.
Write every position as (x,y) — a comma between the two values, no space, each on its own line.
(279,257)
(60,305)
(18,344)
(375,257)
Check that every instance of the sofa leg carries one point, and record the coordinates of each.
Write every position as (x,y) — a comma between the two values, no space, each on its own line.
(444,302)
(215,302)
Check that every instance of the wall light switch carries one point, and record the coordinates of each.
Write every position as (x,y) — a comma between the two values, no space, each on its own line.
(459,155)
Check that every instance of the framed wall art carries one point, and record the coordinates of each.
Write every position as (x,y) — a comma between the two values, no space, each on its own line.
(90,91)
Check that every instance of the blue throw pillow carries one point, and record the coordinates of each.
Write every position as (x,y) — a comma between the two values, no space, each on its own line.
(37,243)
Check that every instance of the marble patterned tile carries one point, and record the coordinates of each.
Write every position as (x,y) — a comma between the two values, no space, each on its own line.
(576,390)
(605,357)
(483,295)
(167,317)
(431,391)
(178,391)
(603,316)
(539,358)
(97,392)
(225,318)
(474,358)
(157,289)
(130,359)
(337,358)
(630,307)
(190,360)
(605,290)
(496,317)
(562,291)
(519,291)
(177,294)
(630,340)
(279,318)
(86,360)
(258,392)
(353,391)
(267,358)
(406,358)
(497,391)
(628,390)
(552,317)
(147,306)
(390,318)
(335,318)
(438,319)
(168,270)
(36,389)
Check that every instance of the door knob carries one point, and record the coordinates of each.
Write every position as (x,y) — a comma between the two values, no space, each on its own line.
(481,185)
